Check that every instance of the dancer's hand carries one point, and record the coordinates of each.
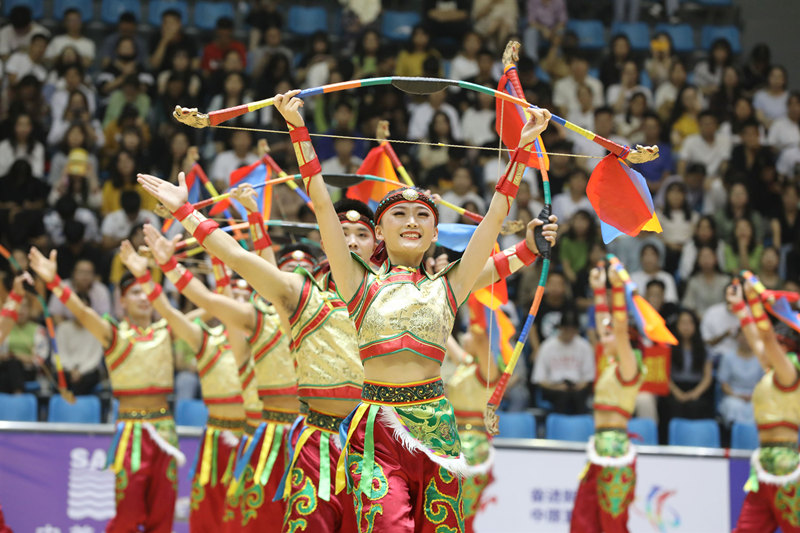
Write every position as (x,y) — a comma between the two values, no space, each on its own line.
(135,262)
(535,126)
(20,281)
(597,278)
(614,278)
(172,196)
(160,247)
(246,195)
(289,106)
(734,294)
(549,232)
(45,268)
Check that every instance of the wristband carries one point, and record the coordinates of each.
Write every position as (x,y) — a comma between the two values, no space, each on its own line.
(512,259)
(152,295)
(65,294)
(747,321)
(9,313)
(600,301)
(258,233)
(306,156)
(15,297)
(184,280)
(221,276)
(169,265)
(738,307)
(509,182)
(183,211)
(54,283)
(144,278)
(203,230)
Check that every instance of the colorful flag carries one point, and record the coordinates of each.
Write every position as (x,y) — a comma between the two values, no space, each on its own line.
(255,174)
(194,185)
(621,199)
(377,163)
(497,326)
(511,118)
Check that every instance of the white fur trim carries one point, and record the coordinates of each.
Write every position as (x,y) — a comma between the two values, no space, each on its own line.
(772,479)
(229,438)
(164,445)
(615,462)
(455,465)
(483,468)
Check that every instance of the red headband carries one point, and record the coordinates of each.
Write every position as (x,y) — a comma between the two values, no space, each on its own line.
(299,256)
(354,217)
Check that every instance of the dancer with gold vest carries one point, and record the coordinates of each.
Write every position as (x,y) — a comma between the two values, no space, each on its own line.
(773,489)
(607,486)
(404,467)
(138,354)
(329,372)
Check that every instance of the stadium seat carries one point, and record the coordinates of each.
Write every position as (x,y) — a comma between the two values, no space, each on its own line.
(307,20)
(191,413)
(577,428)
(744,436)
(85,7)
(591,33)
(36,7)
(206,14)
(85,410)
(517,426)
(18,407)
(157,7)
(715,3)
(685,432)
(682,36)
(638,33)
(709,34)
(397,25)
(646,429)
(110,10)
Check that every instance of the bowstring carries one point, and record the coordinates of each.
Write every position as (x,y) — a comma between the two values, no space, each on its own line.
(489,353)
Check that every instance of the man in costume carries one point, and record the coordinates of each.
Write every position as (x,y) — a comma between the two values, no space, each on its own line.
(607,486)
(144,453)
(773,489)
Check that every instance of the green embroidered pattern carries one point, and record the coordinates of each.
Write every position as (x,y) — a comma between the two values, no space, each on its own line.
(400,394)
(302,502)
(475,446)
(471,489)
(779,460)
(438,506)
(197,496)
(172,473)
(787,503)
(380,487)
(433,424)
(615,488)
(611,443)
(251,497)
(121,484)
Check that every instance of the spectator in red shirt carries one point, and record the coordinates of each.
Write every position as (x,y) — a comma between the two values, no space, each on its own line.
(223,42)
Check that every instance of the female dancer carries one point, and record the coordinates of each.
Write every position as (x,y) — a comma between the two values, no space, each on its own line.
(772,491)
(608,483)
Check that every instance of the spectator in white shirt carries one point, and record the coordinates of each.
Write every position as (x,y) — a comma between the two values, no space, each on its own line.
(465,64)
(719,328)
(619,94)
(573,199)
(117,225)
(584,115)
(771,102)
(565,367)
(239,155)
(422,115)
(604,127)
(708,147)
(22,144)
(73,26)
(785,131)
(17,34)
(81,356)
(71,81)
(66,209)
(30,61)
(650,262)
(739,373)
(565,90)
(463,191)
(479,124)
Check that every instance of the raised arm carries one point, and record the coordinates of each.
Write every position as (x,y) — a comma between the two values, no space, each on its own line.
(46,268)
(628,366)
(735,298)
(262,244)
(464,276)
(280,288)
(183,327)
(8,315)
(232,313)
(504,263)
(602,315)
(346,271)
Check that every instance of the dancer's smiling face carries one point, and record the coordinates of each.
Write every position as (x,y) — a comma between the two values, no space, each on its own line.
(408,229)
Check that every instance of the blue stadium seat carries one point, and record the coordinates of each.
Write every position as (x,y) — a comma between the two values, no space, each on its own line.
(18,407)
(517,426)
(85,410)
(591,33)
(682,36)
(191,413)
(206,14)
(397,25)
(646,429)
(709,34)
(157,7)
(744,436)
(638,33)
(307,20)
(685,432)
(576,428)
(36,7)
(715,3)
(110,10)
(85,7)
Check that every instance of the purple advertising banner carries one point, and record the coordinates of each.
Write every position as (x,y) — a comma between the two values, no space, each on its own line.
(57,482)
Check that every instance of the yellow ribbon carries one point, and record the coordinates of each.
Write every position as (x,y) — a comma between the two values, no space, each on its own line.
(307,432)
(341,466)
(119,460)
(266,444)
(205,461)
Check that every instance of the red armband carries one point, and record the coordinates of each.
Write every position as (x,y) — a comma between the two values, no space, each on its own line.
(14,296)
(53,284)
(65,294)
(183,211)
(204,229)
(306,156)
(257,231)
(738,307)
(509,182)
(155,292)
(747,320)
(509,261)
(184,280)
(9,313)
(170,265)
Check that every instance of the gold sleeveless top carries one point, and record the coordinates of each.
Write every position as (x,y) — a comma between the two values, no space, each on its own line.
(403,309)
(140,361)
(216,368)
(612,393)
(325,346)
(468,391)
(273,359)
(776,406)
(252,403)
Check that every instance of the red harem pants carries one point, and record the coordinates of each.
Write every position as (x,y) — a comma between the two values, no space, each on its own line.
(250,506)
(3,527)
(311,503)
(212,473)
(410,492)
(473,487)
(145,497)
(769,507)
(604,495)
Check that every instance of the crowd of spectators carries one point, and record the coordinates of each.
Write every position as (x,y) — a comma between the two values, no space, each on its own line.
(82,116)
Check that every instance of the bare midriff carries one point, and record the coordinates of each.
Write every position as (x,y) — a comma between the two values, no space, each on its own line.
(778,434)
(400,368)
(281,403)
(231,411)
(609,419)
(339,408)
(143,402)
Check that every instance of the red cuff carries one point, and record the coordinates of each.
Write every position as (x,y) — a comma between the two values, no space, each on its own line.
(748,320)
(65,294)
(156,292)
(144,278)
(501,265)
(738,307)
(14,296)
(298,134)
(53,284)
(525,254)
(183,211)
(10,314)
(521,155)
(311,168)
(184,280)
(204,229)
(170,265)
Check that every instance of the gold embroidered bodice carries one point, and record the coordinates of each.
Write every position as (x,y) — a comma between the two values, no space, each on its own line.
(325,346)
(775,406)
(140,360)
(468,391)
(612,393)
(272,356)
(216,368)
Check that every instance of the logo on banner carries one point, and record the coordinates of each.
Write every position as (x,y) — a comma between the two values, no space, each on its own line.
(659,511)
(90,492)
